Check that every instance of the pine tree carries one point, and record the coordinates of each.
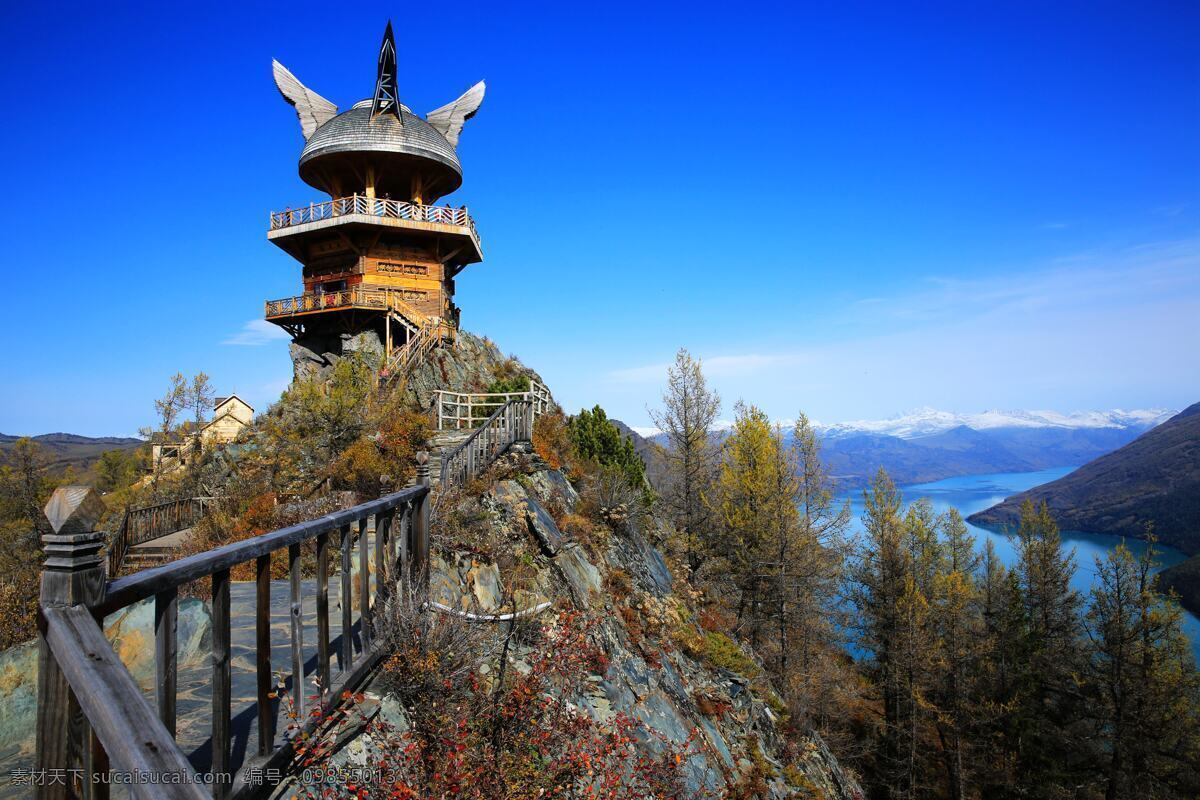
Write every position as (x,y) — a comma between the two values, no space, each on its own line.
(595,438)
(689,410)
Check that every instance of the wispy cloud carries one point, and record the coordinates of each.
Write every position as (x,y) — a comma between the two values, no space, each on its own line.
(723,366)
(1092,280)
(256,333)
(1100,328)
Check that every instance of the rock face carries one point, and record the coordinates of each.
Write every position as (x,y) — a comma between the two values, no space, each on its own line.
(654,676)
(315,355)
(469,365)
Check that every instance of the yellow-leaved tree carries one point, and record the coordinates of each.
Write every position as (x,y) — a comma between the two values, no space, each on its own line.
(754,502)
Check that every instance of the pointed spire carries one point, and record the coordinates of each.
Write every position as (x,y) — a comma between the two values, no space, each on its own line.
(387,93)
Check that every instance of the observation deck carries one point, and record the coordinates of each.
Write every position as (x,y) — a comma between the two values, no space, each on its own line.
(292,228)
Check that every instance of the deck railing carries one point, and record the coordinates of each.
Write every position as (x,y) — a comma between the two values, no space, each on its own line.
(91,714)
(458,411)
(512,422)
(346,298)
(373,207)
(368,297)
(141,525)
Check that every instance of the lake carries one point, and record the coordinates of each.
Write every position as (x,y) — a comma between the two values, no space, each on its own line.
(973,493)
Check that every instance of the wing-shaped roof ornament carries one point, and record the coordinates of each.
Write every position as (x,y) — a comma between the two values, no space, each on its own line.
(387,92)
(312,109)
(450,118)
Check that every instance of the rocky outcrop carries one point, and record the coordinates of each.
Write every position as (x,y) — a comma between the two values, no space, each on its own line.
(314,355)
(656,672)
(469,365)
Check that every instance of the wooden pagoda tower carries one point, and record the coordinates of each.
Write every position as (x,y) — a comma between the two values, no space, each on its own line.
(378,255)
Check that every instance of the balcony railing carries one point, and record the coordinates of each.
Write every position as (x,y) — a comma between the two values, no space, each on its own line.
(372,207)
(355,297)
(347,298)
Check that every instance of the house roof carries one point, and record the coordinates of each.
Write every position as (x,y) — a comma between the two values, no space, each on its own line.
(220,401)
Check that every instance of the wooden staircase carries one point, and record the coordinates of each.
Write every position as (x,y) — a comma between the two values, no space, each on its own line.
(440,444)
(431,334)
(156,552)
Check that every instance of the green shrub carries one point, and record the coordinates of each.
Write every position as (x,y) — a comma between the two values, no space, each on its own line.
(723,653)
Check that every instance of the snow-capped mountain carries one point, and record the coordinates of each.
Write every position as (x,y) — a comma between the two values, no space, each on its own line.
(930,421)
(928,445)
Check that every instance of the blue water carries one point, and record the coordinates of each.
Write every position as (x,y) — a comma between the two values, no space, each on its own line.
(973,493)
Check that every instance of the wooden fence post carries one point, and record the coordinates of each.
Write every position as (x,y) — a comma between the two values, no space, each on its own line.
(420,528)
(72,575)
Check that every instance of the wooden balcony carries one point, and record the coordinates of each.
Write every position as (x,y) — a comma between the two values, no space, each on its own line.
(362,210)
(368,299)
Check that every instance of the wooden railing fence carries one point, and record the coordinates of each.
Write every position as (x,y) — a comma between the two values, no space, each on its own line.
(141,525)
(373,207)
(92,717)
(512,422)
(458,411)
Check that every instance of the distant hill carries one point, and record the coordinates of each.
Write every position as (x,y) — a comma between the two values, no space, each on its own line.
(854,460)
(68,449)
(930,445)
(649,450)
(1184,579)
(1156,477)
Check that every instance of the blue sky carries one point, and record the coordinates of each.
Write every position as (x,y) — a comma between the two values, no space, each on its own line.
(850,209)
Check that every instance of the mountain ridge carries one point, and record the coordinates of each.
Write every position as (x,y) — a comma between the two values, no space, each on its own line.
(63,450)
(930,445)
(1154,478)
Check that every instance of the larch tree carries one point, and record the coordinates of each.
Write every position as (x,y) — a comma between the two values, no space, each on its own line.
(810,618)
(914,656)
(688,412)
(1050,699)
(958,635)
(1144,681)
(198,398)
(881,574)
(168,409)
(998,674)
(754,502)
